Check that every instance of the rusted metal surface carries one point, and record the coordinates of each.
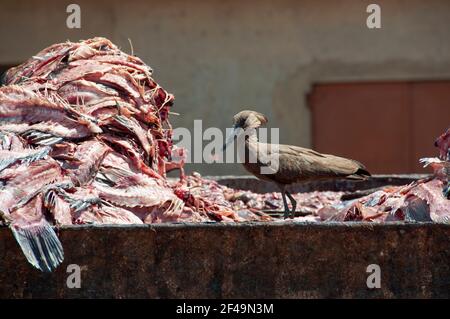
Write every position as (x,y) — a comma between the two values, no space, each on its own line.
(264,260)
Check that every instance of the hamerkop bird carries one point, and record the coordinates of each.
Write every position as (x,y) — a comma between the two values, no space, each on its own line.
(286,164)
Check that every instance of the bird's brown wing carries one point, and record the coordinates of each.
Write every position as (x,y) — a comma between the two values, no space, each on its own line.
(298,163)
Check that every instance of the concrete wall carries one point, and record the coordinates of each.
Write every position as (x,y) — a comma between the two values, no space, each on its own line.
(219,57)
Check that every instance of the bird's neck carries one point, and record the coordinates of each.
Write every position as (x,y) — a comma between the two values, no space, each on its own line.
(251,137)
(250,146)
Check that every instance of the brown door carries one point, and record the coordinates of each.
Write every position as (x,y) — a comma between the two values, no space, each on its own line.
(386,126)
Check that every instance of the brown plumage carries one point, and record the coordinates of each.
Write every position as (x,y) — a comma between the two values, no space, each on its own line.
(287,164)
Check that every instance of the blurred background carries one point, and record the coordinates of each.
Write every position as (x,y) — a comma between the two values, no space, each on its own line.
(380,96)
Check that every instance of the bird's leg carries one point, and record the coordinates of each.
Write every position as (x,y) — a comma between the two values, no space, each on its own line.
(293,202)
(286,207)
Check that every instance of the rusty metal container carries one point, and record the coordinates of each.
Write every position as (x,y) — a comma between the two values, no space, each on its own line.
(246,260)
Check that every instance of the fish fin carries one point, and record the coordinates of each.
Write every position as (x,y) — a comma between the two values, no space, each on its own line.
(40,154)
(41,138)
(113,175)
(4,163)
(79,205)
(40,245)
(27,159)
(175,207)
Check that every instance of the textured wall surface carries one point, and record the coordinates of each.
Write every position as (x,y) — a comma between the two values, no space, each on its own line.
(219,57)
(239,261)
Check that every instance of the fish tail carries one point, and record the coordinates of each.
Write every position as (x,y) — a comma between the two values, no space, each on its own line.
(40,245)
(41,138)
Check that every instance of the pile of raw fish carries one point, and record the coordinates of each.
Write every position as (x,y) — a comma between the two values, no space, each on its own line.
(85,138)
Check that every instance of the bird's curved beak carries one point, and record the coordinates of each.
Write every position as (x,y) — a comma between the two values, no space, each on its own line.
(230,138)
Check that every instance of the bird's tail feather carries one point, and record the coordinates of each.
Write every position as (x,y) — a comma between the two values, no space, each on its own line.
(40,245)
(360,174)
